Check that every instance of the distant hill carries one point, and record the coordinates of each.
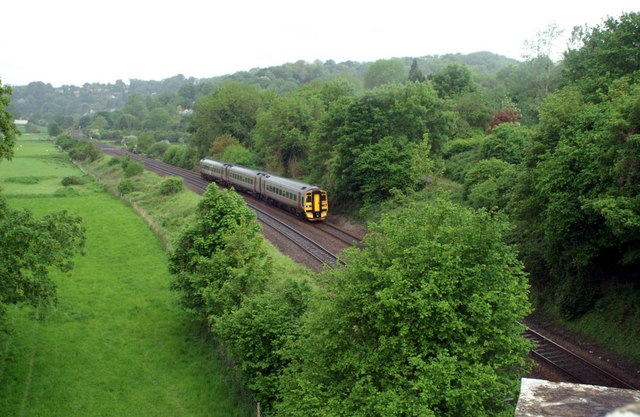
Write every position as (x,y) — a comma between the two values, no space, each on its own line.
(40,102)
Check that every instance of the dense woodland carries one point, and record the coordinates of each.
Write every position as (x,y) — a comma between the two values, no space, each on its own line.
(543,155)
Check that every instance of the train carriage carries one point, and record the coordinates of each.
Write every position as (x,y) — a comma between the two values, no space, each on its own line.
(306,200)
(242,178)
(213,170)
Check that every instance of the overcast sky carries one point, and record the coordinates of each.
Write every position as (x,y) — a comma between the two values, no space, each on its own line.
(79,41)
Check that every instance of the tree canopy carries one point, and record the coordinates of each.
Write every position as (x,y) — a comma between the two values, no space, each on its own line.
(422,322)
(8,130)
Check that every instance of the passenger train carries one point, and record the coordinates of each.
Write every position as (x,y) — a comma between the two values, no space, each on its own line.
(308,201)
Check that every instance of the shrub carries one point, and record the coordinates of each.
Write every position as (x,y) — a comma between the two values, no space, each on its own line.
(133,168)
(72,180)
(66,192)
(125,186)
(171,185)
(114,161)
(66,142)
(84,151)
(23,180)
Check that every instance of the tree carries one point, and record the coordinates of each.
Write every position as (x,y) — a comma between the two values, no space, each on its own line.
(238,154)
(54,129)
(384,71)
(210,254)
(30,246)
(8,130)
(415,75)
(508,142)
(421,322)
(488,183)
(220,144)
(231,109)
(609,51)
(396,115)
(283,131)
(158,119)
(578,206)
(454,79)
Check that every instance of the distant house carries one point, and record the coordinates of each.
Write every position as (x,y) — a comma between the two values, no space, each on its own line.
(21,123)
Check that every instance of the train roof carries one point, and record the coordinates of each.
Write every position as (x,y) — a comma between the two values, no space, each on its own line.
(291,183)
(286,182)
(210,161)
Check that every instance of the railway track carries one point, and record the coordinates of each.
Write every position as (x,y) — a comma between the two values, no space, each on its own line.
(322,255)
(573,367)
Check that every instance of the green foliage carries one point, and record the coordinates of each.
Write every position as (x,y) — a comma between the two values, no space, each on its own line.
(23,180)
(158,149)
(114,161)
(382,167)
(456,146)
(488,184)
(8,130)
(283,131)
(384,123)
(66,142)
(508,142)
(85,151)
(28,248)
(131,168)
(181,156)
(117,338)
(257,332)
(231,109)
(72,180)
(221,214)
(54,129)
(578,207)
(453,80)
(422,322)
(171,185)
(384,71)
(125,186)
(474,109)
(608,52)
(238,154)
(415,75)
(220,144)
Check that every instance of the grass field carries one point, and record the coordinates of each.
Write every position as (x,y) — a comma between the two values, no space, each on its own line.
(117,343)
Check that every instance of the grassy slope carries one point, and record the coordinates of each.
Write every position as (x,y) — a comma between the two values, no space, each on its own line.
(117,343)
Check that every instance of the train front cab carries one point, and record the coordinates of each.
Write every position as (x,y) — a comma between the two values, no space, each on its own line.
(316,205)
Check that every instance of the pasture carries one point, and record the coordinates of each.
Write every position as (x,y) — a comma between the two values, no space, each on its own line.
(117,343)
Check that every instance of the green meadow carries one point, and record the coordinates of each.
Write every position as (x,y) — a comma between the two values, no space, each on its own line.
(117,343)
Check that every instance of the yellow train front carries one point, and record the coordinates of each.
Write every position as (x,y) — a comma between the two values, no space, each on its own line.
(316,205)
(306,200)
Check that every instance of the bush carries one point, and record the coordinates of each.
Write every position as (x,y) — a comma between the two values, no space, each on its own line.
(72,180)
(125,186)
(66,142)
(457,146)
(66,192)
(133,168)
(171,185)
(114,161)
(84,151)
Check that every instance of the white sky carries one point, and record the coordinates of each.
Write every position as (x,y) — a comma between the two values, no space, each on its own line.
(78,41)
